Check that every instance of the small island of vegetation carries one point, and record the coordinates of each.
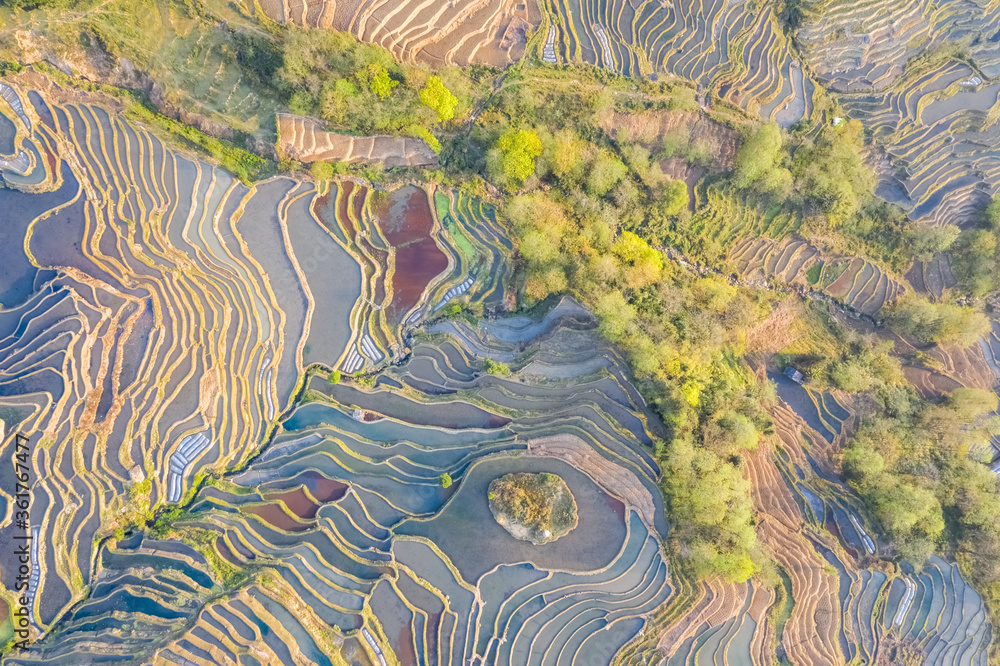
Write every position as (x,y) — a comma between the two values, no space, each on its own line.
(533,507)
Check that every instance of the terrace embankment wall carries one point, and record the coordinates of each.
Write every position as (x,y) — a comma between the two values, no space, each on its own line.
(305,140)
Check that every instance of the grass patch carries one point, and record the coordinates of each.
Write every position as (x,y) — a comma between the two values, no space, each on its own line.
(812,275)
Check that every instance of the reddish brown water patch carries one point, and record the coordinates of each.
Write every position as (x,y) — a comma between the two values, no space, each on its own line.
(323,489)
(324,209)
(406,221)
(321,206)
(359,201)
(342,202)
(297,502)
(275,516)
(404,645)
(433,626)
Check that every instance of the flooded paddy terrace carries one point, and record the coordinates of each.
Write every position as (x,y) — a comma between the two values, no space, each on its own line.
(156,325)
(353,523)
(155,322)
(159,325)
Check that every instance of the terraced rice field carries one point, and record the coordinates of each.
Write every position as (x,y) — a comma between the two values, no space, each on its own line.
(841,605)
(932,110)
(156,324)
(729,626)
(719,45)
(932,277)
(820,410)
(858,606)
(347,530)
(304,139)
(158,319)
(419,250)
(990,347)
(934,113)
(158,315)
(744,55)
(491,32)
(856,283)
(935,117)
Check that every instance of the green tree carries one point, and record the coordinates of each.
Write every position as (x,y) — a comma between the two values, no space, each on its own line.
(497,368)
(860,463)
(971,404)
(832,173)
(674,197)
(675,142)
(867,365)
(439,98)
(513,158)
(711,511)
(979,243)
(322,171)
(759,161)
(605,172)
(973,260)
(964,420)
(564,158)
(992,214)
(961,325)
(641,264)
(638,158)
(700,153)
(258,55)
(926,240)
(379,82)
(301,103)
(713,293)
(614,314)
(337,99)
(543,227)
(347,83)
(938,322)
(909,512)
(971,488)
(445,480)
(730,434)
